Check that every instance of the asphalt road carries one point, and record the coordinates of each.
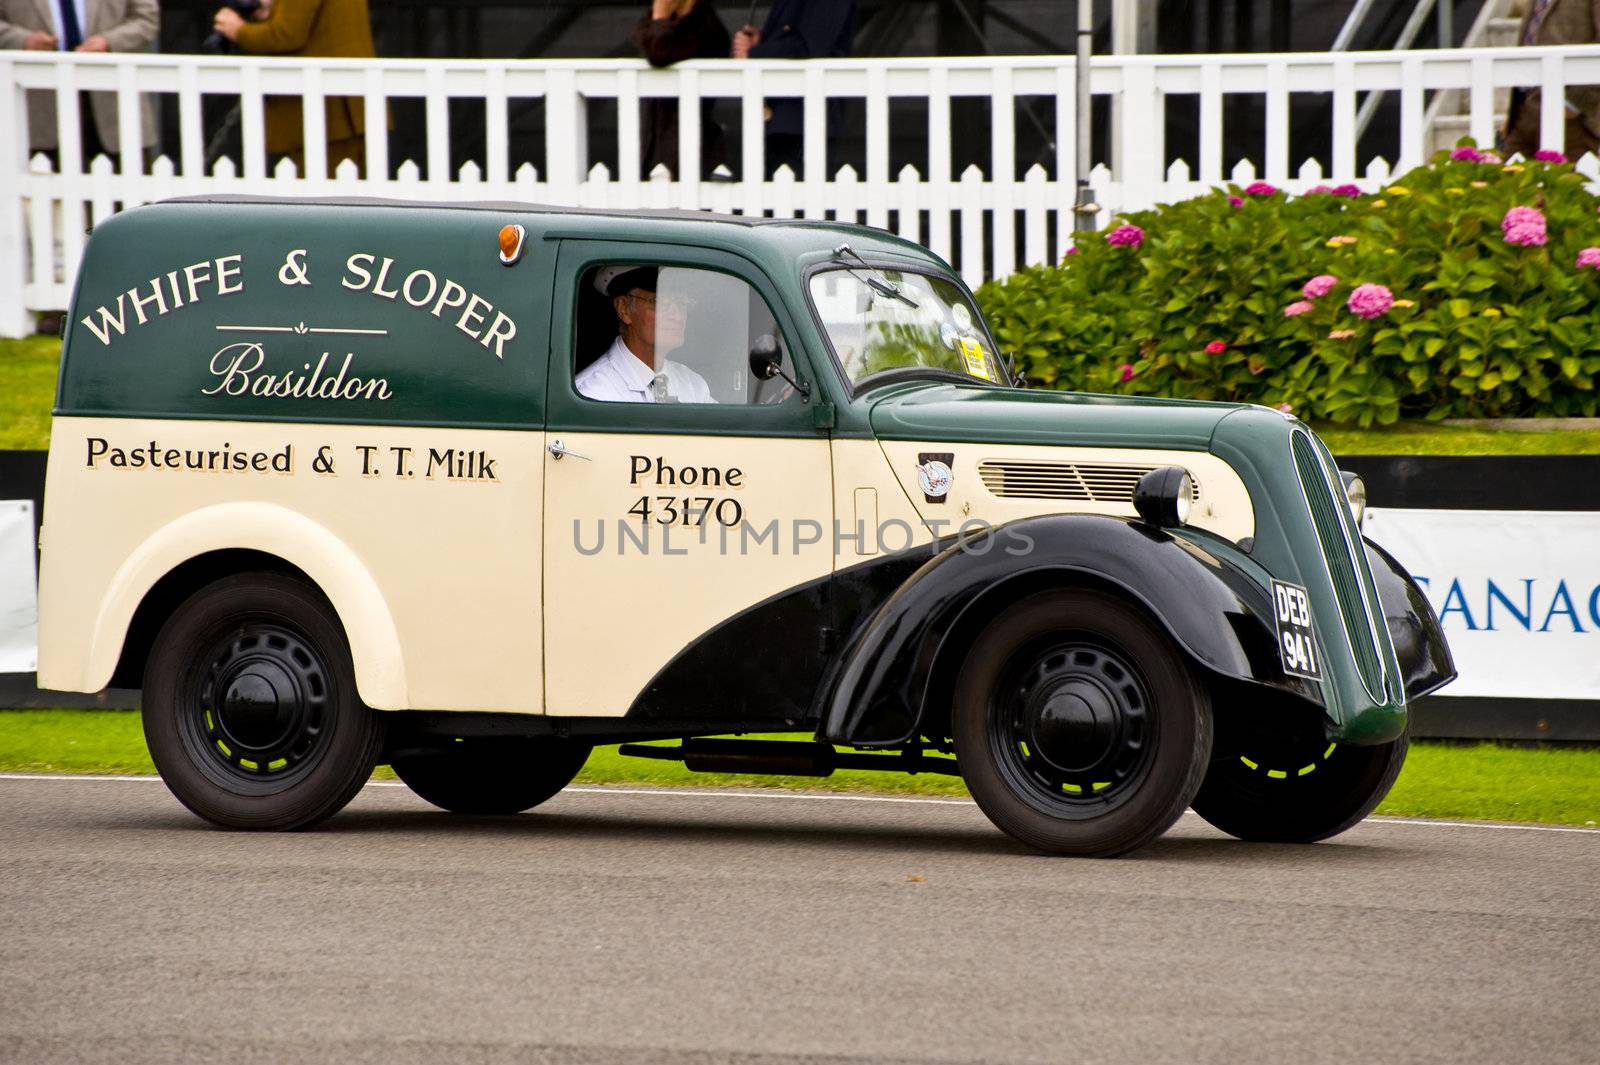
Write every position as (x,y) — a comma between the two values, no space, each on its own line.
(685,929)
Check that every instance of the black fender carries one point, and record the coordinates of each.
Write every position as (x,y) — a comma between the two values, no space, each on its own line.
(902,660)
(1426,664)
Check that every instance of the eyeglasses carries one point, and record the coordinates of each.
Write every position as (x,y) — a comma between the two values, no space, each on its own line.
(672,305)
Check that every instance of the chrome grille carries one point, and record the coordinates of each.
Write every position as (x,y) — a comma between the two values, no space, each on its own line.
(1324,497)
(1087,482)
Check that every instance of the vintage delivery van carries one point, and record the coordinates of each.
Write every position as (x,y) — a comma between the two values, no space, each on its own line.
(470,489)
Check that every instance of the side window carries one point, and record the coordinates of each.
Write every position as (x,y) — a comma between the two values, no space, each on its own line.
(652,333)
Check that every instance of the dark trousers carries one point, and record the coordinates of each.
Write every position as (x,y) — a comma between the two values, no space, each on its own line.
(1522,128)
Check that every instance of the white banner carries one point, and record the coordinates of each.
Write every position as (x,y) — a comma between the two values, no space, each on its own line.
(19,600)
(1517,591)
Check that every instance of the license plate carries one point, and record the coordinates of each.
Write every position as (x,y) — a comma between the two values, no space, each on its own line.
(1296,644)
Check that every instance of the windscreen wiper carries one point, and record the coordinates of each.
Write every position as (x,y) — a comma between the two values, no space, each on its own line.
(875,279)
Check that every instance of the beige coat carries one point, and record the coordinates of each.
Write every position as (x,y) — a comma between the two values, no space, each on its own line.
(311,28)
(127,26)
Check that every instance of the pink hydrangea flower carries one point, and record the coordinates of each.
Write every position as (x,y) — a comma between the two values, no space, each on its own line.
(1284,408)
(1072,250)
(1589,259)
(1545,155)
(1341,334)
(1216,347)
(1260,188)
(1466,154)
(1297,308)
(1319,286)
(1524,226)
(1234,201)
(1370,301)
(1129,235)
(1318,190)
(1125,371)
(1351,191)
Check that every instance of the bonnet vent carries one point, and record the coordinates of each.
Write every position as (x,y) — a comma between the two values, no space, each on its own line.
(1088,482)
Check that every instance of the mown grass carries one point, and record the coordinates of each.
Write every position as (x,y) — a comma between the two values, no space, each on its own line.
(27,392)
(1428,438)
(1479,782)
(28,388)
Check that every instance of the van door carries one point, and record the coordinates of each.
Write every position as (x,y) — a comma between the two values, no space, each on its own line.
(681,490)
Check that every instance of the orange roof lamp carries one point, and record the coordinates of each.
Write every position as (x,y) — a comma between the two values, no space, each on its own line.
(511,238)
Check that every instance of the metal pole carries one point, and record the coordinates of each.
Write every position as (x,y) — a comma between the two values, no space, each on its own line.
(1408,36)
(1352,24)
(1086,210)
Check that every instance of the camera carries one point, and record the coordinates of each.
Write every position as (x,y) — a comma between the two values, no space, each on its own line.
(217,44)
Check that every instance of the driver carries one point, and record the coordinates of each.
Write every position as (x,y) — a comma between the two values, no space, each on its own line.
(635,369)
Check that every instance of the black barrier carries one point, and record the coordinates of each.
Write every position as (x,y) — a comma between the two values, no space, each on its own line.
(1567,483)
(22,477)
(1489,482)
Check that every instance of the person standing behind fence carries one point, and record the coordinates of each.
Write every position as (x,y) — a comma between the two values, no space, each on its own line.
(82,26)
(1557,22)
(796,29)
(307,28)
(675,30)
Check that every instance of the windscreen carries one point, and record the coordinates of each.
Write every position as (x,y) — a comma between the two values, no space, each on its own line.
(929,325)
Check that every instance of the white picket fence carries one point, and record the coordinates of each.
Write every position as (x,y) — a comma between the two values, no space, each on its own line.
(986,220)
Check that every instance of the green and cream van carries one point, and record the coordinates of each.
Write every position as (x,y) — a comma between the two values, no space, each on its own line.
(470,489)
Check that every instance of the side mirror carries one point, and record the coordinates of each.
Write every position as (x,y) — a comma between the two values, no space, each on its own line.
(766,361)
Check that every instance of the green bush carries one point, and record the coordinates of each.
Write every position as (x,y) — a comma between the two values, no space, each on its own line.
(1480,326)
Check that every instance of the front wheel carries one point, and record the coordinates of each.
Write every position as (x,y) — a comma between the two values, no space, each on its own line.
(1079,727)
(250,706)
(502,776)
(1297,791)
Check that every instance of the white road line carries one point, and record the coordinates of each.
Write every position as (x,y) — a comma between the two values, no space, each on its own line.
(819,796)
(78,776)
(1509,826)
(834,796)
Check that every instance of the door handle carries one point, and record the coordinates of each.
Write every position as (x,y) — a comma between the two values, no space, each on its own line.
(557,449)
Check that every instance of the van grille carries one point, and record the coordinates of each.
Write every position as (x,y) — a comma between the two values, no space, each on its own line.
(1323,496)
(1103,482)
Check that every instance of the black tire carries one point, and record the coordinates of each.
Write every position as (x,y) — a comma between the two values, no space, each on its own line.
(1079,727)
(1297,791)
(250,706)
(491,776)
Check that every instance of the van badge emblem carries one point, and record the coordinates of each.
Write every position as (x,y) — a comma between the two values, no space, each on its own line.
(934,475)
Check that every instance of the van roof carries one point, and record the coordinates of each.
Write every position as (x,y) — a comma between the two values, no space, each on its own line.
(478,205)
(661,213)
(882,239)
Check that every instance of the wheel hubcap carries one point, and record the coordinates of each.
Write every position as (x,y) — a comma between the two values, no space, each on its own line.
(258,708)
(259,711)
(1073,727)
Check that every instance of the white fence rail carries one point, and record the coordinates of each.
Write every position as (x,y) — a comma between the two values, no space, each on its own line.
(987,220)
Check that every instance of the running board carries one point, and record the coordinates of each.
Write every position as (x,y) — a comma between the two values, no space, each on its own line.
(794,758)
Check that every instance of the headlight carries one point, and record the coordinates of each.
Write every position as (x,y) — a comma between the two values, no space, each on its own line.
(1162,496)
(1355,490)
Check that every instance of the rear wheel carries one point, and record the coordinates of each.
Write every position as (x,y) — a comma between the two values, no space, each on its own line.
(1078,726)
(491,777)
(250,706)
(1288,790)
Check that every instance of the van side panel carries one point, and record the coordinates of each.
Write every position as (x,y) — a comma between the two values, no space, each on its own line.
(308,313)
(426,541)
